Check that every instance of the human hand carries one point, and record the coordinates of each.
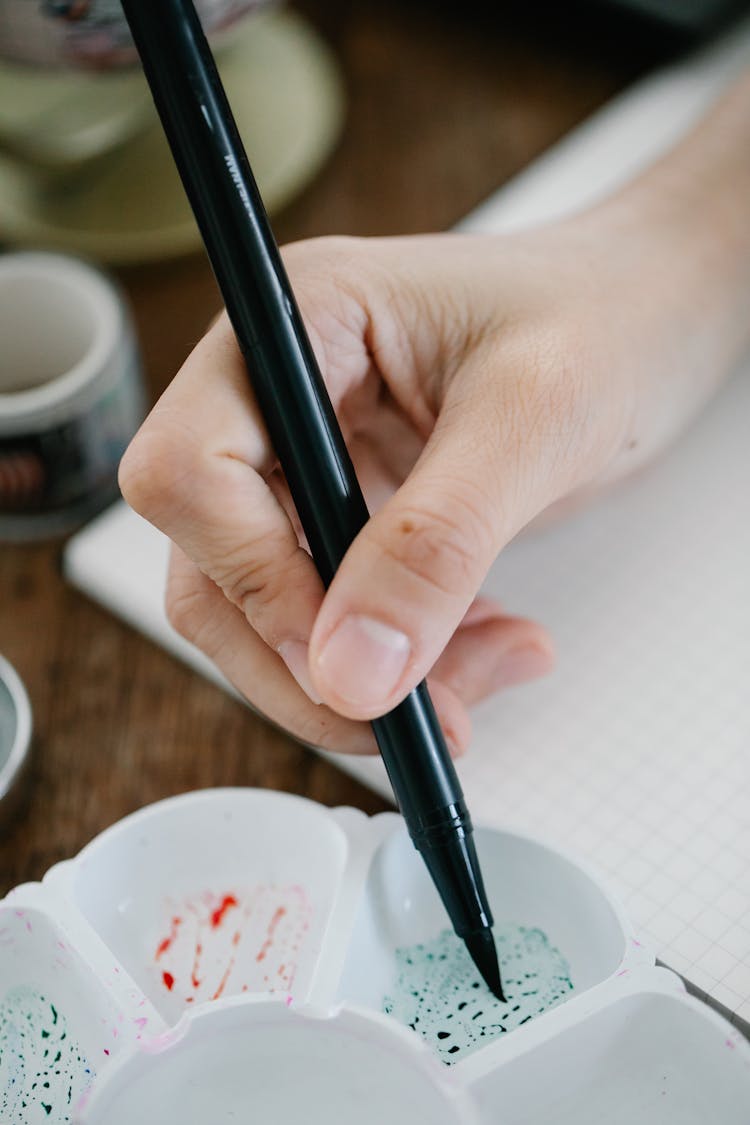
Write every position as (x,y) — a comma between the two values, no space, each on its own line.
(478,381)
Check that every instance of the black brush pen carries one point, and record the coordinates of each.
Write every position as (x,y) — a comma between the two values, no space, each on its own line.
(302,425)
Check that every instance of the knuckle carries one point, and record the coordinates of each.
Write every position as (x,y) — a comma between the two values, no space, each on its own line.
(155,470)
(442,548)
(320,255)
(327,278)
(185,607)
(256,576)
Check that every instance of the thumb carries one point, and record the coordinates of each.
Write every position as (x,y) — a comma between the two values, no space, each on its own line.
(410,576)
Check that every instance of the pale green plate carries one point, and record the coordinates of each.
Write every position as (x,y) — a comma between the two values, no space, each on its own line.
(129,206)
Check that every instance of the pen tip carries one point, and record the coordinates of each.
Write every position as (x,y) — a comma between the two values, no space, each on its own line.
(481,947)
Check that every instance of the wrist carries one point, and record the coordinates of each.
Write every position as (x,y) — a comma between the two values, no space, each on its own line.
(670,257)
(693,213)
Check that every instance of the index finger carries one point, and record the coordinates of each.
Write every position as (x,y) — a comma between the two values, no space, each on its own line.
(195,469)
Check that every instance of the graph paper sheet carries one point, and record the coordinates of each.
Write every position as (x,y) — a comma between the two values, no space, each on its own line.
(636,752)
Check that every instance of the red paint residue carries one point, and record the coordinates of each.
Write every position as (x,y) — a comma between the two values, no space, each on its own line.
(280,912)
(194,978)
(217,916)
(203,959)
(165,945)
(223,981)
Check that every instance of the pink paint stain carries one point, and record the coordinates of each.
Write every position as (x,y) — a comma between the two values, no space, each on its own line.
(158,1043)
(270,935)
(229,943)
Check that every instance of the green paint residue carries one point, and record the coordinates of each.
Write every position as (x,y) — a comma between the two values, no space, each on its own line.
(439,993)
(43,1072)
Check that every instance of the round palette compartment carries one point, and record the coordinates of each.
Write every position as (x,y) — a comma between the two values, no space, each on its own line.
(651,1055)
(58,1025)
(263,1061)
(557,930)
(214,894)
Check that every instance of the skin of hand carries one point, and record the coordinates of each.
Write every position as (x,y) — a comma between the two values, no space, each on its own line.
(479,381)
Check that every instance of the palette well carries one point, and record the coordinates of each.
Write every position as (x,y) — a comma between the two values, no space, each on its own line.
(242,951)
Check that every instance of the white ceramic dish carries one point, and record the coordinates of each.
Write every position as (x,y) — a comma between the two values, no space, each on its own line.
(236,952)
(15,740)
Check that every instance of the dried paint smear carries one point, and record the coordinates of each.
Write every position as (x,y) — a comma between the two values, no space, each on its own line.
(439,993)
(43,1072)
(217,945)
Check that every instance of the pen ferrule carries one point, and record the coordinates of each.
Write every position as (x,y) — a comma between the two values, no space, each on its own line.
(438,826)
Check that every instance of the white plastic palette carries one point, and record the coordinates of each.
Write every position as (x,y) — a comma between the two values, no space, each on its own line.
(230,956)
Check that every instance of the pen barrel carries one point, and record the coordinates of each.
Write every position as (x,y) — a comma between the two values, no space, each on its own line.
(228,208)
(296,408)
(424,780)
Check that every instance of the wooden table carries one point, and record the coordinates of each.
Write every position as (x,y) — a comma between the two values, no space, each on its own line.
(440,113)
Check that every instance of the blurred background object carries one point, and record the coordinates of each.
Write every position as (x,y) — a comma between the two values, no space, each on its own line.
(83,164)
(689,18)
(695,16)
(84,167)
(648,30)
(71,393)
(15,744)
(90,33)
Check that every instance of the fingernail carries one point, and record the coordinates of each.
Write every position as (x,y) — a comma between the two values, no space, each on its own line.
(295,656)
(363,660)
(517,665)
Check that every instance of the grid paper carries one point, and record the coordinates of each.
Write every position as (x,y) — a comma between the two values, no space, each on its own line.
(636,752)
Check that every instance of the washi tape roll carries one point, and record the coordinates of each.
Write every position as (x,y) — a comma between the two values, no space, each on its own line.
(15,740)
(71,392)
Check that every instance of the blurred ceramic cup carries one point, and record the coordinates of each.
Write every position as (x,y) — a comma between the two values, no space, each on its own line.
(71,393)
(69,87)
